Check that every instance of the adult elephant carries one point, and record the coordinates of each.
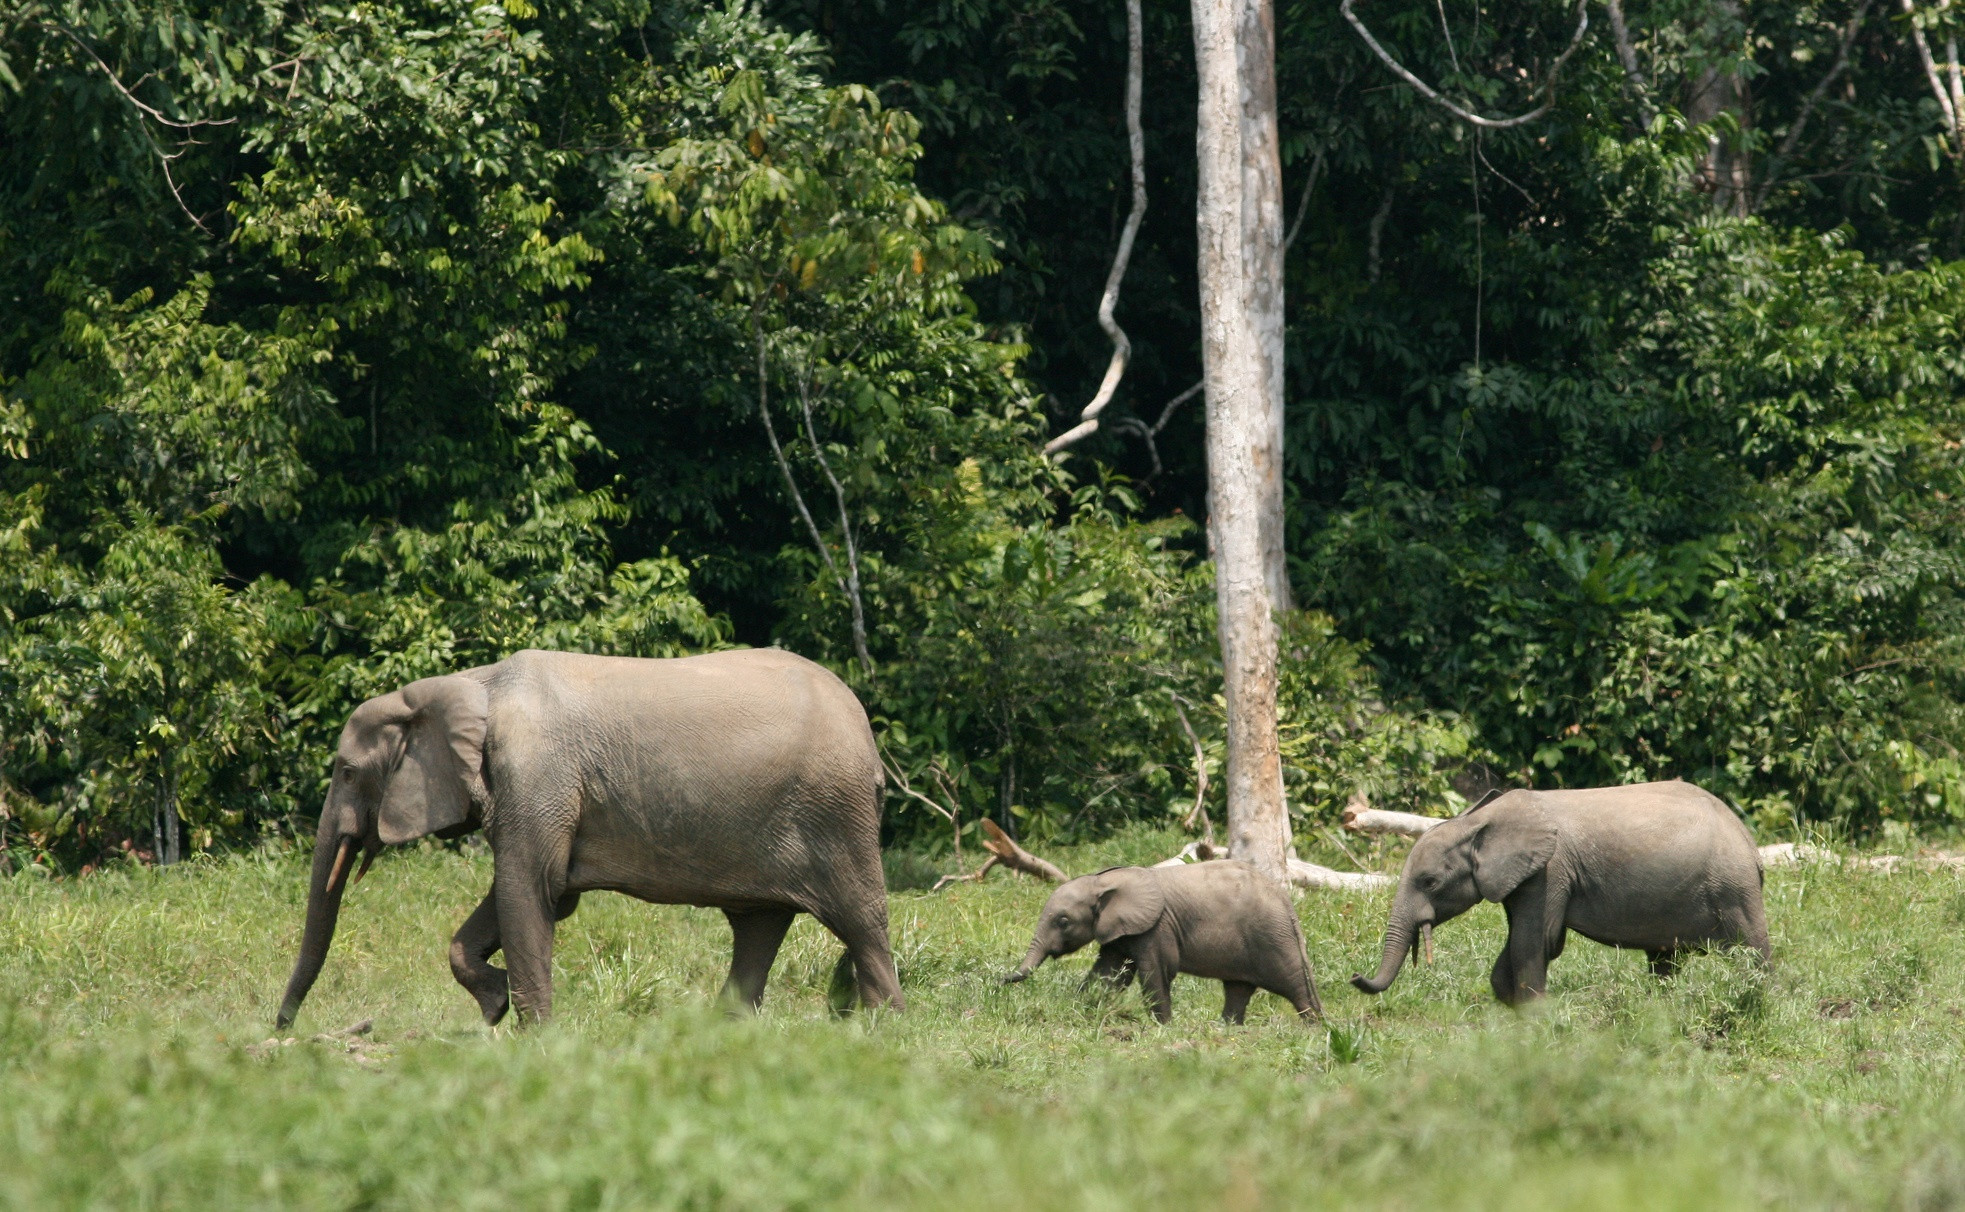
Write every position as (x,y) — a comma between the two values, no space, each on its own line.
(744,780)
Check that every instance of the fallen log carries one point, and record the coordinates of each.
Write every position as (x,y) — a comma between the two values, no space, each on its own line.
(1360,817)
(1794,854)
(1310,875)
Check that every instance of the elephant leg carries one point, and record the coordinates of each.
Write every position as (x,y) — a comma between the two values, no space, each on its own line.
(1748,924)
(1235,997)
(1664,962)
(528,905)
(1156,982)
(471,949)
(1502,978)
(864,931)
(564,907)
(1299,989)
(1534,937)
(756,935)
(1113,968)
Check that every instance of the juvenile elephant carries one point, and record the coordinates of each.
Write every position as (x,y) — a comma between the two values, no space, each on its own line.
(1660,867)
(1221,920)
(744,780)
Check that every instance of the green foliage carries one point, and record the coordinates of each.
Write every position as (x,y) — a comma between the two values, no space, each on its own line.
(1038,668)
(344,345)
(1340,739)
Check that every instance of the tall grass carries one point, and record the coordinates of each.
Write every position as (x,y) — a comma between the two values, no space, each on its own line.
(134,1068)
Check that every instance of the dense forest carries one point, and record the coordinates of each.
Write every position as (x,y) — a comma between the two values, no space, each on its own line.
(344,344)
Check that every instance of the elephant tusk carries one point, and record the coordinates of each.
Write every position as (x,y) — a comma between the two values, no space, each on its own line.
(1426,937)
(340,864)
(368,859)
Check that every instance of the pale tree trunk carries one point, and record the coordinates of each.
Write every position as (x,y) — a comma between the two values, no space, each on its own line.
(1240,226)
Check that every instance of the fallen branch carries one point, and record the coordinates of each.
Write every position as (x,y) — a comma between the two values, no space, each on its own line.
(1795,854)
(957,877)
(1004,850)
(1194,852)
(1360,817)
(1302,874)
(1309,875)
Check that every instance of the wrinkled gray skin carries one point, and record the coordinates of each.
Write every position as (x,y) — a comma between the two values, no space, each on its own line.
(1660,867)
(1221,920)
(747,781)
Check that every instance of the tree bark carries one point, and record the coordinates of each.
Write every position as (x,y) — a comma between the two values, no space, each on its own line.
(1240,227)
(1727,169)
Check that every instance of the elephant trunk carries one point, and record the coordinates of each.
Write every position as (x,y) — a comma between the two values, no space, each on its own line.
(331,857)
(1038,953)
(1399,941)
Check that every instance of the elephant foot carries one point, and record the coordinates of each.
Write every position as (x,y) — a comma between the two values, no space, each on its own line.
(493,997)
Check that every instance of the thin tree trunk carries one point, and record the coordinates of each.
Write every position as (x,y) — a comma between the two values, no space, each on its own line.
(167,832)
(1727,170)
(1240,223)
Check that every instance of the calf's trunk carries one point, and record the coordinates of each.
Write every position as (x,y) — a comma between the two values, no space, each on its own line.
(1398,942)
(1038,954)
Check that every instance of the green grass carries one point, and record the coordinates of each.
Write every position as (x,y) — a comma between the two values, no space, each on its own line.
(133,1073)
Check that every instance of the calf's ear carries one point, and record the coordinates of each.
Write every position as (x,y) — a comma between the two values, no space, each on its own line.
(1510,848)
(1129,902)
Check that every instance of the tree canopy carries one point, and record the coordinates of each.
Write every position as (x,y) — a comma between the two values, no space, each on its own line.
(347,344)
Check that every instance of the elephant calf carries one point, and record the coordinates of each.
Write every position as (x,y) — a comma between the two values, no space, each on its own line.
(1220,920)
(1660,867)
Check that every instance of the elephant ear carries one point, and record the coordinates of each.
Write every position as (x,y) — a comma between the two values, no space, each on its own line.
(1510,847)
(1129,902)
(442,761)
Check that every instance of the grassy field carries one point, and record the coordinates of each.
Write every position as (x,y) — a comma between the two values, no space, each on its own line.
(135,1007)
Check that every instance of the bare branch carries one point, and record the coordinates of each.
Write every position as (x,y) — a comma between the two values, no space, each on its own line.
(1149,432)
(1339,843)
(155,114)
(1425,90)
(1200,807)
(1376,230)
(163,158)
(1793,137)
(1951,111)
(1303,207)
(804,380)
(1627,56)
(952,815)
(1122,347)
(791,486)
